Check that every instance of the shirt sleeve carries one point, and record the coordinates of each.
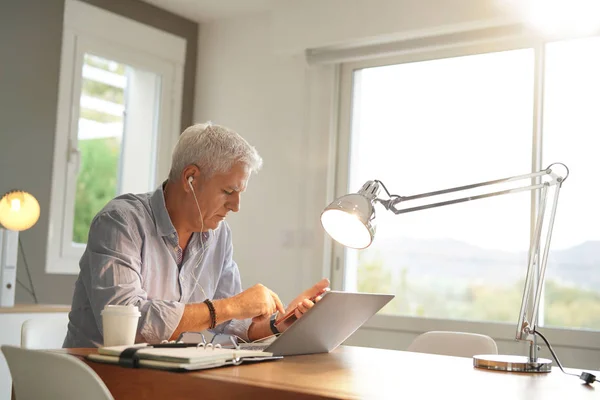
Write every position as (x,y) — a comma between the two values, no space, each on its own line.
(229,285)
(113,258)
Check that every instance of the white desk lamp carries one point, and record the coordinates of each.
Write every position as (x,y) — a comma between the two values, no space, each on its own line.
(350,221)
(18,211)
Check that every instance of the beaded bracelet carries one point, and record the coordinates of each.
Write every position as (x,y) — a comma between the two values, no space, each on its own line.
(213,313)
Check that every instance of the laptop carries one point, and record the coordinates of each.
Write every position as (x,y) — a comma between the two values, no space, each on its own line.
(326,325)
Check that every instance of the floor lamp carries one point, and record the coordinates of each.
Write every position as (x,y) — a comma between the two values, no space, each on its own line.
(19,211)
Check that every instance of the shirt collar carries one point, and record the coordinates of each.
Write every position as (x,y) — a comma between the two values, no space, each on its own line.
(162,220)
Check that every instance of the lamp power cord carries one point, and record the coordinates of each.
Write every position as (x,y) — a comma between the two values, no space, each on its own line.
(584,376)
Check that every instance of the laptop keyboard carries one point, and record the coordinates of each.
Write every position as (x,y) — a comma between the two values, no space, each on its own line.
(253,346)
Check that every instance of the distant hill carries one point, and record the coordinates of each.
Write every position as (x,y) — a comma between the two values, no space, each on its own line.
(452,259)
(578,265)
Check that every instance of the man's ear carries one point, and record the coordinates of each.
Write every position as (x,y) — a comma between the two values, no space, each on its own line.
(190,174)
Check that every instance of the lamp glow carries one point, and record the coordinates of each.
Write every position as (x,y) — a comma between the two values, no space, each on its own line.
(19,210)
(346,228)
(349,220)
(15,205)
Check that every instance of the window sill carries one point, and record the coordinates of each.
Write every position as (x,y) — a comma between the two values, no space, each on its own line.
(574,338)
(62,266)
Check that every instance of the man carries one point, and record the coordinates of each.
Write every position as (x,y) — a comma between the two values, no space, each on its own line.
(169,252)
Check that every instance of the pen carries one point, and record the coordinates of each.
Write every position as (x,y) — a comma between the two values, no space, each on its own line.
(174,345)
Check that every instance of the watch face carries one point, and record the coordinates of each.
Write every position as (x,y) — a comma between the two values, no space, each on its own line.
(272,324)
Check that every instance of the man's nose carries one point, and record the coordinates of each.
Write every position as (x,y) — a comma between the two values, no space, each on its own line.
(234,202)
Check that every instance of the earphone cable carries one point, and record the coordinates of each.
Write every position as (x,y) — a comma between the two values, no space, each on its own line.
(202,245)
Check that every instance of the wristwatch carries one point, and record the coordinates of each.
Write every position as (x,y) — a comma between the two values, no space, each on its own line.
(272,325)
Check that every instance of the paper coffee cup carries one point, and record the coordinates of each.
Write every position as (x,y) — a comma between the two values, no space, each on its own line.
(119,325)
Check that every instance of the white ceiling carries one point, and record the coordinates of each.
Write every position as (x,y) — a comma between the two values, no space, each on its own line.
(209,10)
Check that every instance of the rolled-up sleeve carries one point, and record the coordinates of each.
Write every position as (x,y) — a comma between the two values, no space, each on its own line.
(230,284)
(113,258)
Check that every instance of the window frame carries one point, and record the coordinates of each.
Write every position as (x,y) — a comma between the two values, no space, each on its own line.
(577,338)
(127,41)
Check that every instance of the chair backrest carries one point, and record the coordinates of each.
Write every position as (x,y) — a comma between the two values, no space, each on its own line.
(459,344)
(46,332)
(39,374)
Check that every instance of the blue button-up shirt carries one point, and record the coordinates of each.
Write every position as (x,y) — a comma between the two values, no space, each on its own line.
(131,258)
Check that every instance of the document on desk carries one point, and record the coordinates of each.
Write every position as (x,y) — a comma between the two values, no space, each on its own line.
(177,358)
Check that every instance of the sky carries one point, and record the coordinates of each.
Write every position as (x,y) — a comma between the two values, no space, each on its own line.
(437,124)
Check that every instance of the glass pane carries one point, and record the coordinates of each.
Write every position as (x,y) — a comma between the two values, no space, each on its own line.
(572,136)
(102,104)
(116,153)
(433,125)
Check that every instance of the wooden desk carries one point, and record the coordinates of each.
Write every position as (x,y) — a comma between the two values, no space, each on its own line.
(346,373)
(35,309)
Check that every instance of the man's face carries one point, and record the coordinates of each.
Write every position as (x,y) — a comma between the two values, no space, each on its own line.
(219,195)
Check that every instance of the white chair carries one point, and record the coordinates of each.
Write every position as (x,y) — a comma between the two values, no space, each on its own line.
(459,344)
(39,374)
(44,332)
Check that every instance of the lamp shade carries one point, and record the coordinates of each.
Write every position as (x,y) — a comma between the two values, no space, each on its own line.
(19,210)
(349,221)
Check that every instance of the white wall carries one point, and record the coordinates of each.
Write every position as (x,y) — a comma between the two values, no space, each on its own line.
(252,77)
(241,84)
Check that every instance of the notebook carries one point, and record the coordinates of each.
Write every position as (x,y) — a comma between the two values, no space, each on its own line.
(177,359)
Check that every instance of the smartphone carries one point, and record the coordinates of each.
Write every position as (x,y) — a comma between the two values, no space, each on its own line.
(291,313)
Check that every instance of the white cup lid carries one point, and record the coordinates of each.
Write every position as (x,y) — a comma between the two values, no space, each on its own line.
(129,310)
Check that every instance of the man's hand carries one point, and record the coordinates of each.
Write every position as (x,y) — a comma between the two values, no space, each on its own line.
(303,303)
(257,302)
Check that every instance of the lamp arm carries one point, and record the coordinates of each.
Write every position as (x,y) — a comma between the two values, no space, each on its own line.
(394,200)
(531,293)
(528,316)
(391,204)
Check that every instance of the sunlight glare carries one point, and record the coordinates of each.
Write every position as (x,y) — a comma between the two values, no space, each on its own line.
(561,17)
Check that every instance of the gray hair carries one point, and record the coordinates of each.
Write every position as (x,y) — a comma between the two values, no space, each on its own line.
(214,149)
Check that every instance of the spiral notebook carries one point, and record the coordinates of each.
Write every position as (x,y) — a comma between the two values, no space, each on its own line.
(177,359)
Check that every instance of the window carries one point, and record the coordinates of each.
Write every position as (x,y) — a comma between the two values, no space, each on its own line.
(99,139)
(118,119)
(572,134)
(116,137)
(436,123)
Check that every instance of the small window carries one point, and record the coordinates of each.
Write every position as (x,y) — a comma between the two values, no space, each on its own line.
(116,136)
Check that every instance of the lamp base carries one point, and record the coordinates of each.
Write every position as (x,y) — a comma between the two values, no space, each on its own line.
(508,363)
